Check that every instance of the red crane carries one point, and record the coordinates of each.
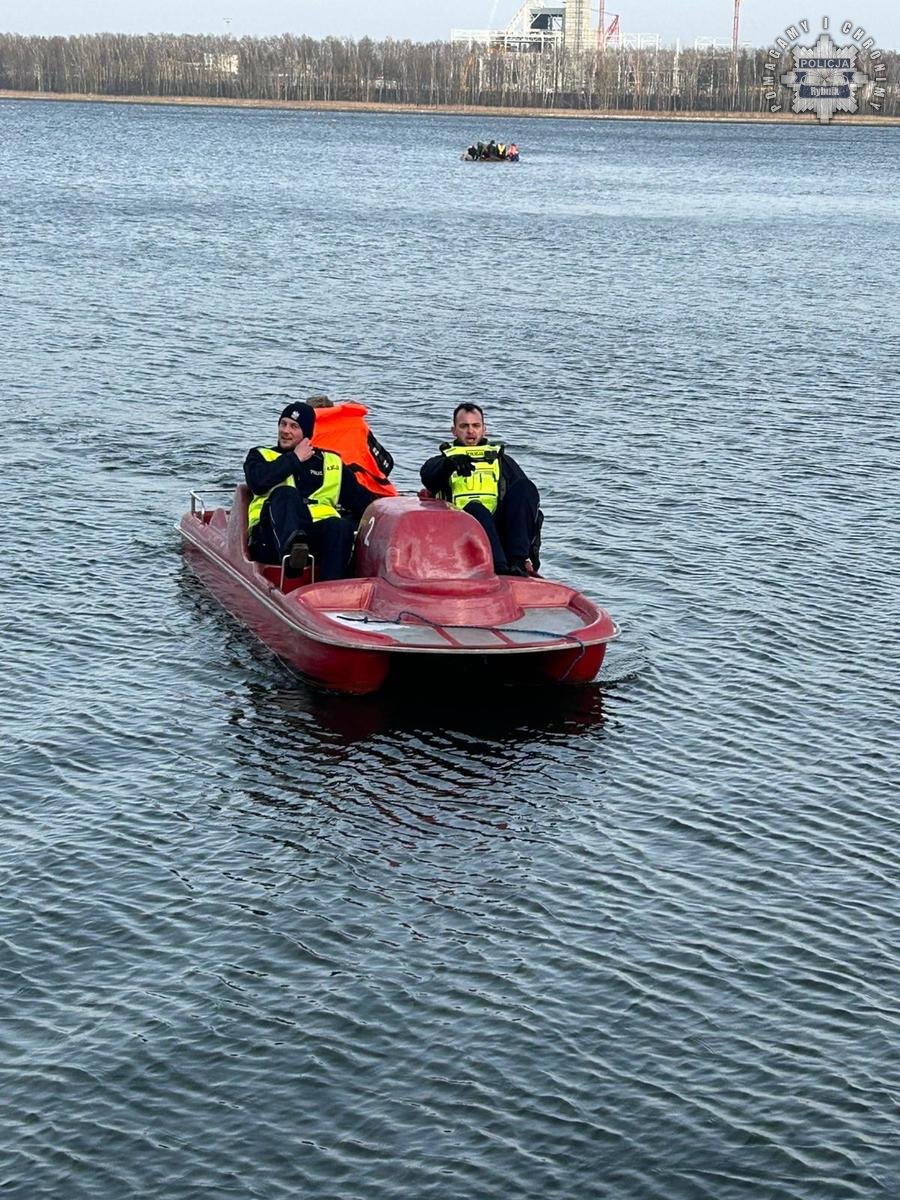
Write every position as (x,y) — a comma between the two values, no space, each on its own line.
(605,33)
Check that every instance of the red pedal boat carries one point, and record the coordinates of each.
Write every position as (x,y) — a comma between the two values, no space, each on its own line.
(423,588)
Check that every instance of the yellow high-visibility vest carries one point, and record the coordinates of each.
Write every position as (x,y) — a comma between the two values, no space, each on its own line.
(322,503)
(483,484)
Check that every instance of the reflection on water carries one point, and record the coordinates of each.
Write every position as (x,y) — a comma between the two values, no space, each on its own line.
(420,703)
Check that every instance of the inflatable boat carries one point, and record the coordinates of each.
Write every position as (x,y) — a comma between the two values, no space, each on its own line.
(423,588)
(466,157)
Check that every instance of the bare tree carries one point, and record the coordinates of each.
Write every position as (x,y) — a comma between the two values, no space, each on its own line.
(290,68)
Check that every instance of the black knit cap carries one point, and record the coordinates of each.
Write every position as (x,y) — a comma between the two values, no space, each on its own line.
(303,414)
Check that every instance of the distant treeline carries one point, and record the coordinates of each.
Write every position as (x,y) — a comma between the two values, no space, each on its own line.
(435,73)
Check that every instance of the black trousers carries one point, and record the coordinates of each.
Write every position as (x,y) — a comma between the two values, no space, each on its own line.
(286,513)
(513,529)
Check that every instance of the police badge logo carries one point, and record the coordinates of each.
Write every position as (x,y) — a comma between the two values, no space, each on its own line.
(824,79)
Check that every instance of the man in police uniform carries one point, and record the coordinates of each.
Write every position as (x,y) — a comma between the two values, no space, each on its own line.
(475,474)
(297,494)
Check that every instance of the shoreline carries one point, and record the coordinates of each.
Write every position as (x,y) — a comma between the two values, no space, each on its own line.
(453,110)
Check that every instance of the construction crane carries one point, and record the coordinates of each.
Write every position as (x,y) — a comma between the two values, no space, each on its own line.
(736,25)
(606,33)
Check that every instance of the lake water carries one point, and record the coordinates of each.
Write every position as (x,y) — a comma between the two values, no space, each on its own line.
(638,940)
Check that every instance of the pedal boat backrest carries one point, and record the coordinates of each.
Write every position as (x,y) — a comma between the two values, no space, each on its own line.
(238,544)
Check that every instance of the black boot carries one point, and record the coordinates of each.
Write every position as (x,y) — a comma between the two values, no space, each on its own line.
(297,550)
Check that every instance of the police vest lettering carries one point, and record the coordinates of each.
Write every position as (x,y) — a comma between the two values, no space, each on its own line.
(322,503)
(483,484)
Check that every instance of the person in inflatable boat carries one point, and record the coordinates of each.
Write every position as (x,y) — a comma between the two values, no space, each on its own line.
(475,474)
(300,499)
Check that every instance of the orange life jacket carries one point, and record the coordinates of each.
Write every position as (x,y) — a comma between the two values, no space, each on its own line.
(344,430)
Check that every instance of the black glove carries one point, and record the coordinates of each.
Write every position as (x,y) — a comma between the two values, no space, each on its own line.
(463,465)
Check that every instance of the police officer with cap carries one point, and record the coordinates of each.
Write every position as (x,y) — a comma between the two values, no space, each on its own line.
(299,498)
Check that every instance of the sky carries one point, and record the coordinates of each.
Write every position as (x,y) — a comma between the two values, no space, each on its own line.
(428,20)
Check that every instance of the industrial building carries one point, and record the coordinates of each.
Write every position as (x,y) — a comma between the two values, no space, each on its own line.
(571,25)
(540,26)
